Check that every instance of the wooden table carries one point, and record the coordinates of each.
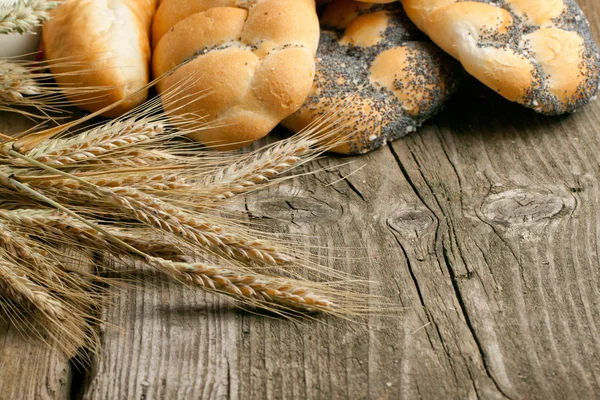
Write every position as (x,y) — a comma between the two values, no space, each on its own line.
(484,225)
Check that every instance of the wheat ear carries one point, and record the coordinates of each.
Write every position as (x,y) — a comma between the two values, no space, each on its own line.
(27,293)
(258,169)
(261,289)
(172,219)
(23,15)
(145,181)
(95,143)
(18,246)
(61,309)
(16,82)
(262,166)
(55,225)
(159,214)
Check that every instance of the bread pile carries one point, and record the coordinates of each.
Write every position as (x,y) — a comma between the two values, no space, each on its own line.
(265,62)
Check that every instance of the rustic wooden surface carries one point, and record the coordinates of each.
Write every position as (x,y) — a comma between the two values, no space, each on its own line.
(484,225)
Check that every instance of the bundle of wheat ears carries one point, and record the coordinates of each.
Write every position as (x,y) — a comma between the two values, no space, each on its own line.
(135,189)
(21,16)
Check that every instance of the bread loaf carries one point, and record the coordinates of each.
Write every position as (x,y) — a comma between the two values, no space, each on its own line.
(105,43)
(255,56)
(379,72)
(539,53)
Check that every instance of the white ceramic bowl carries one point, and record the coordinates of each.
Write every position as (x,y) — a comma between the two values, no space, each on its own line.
(23,47)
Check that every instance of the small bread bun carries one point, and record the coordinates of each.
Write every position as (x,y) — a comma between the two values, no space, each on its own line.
(539,53)
(378,72)
(103,43)
(256,57)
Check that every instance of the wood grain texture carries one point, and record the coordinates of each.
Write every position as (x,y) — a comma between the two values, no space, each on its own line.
(484,225)
(29,369)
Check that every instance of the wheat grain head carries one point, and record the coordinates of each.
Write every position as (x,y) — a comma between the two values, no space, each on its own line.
(20,16)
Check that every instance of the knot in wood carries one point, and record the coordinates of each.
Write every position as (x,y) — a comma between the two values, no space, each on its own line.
(523,206)
(412,224)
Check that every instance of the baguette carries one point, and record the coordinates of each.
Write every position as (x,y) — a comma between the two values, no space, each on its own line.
(107,45)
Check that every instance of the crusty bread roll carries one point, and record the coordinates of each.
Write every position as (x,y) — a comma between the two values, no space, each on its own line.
(539,53)
(106,44)
(255,56)
(379,72)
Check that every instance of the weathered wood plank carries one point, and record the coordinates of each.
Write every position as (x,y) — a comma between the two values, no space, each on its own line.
(484,224)
(29,369)
(519,240)
(169,342)
(282,359)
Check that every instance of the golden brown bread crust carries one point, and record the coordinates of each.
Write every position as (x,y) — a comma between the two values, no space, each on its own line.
(539,53)
(379,72)
(173,11)
(255,56)
(109,46)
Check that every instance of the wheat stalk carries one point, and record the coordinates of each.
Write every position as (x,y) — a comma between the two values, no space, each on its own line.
(130,188)
(169,218)
(258,169)
(145,181)
(95,143)
(41,260)
(261,289)
(55,226)
(20,16)
(127,158)
(60,311)
(27,84)
(159,214)
(27,293)
(21,248)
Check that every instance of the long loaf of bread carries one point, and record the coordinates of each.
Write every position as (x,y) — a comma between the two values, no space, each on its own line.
(103,43)
(539,53)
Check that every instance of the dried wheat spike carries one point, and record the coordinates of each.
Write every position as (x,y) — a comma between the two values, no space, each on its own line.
(18,246)
(95,143)
(59,311)
(145,181)
(126,158)
(249,288)
(248,174)
(19,288)
(157,213)
(22,15)
(55,226)
(16,82)
(38,258)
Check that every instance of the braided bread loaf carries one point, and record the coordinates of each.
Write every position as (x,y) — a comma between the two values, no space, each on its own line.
(105,44)
(257,57)
(379,72)
(536,52)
